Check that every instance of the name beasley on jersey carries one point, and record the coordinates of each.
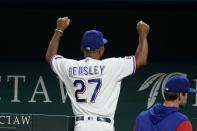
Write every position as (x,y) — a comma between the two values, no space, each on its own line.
(86,70)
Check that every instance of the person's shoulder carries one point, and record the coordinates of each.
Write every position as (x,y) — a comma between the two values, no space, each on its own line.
(184,126)
(60,57)
(181,116)
(111,59)
(68,60)
(148,111)
(144,113)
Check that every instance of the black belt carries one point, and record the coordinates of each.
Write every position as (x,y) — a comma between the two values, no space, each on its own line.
(81,118)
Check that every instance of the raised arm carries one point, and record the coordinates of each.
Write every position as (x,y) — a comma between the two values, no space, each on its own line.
(141,53)
(62,24)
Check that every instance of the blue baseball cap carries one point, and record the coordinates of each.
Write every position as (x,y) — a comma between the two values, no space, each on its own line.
(92,40)
(179,84)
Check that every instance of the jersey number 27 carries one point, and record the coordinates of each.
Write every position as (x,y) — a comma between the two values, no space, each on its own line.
(83,89)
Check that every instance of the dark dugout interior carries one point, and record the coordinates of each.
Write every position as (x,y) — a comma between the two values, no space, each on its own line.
(26,28)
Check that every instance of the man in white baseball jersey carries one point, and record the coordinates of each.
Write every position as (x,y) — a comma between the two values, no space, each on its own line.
(93,85)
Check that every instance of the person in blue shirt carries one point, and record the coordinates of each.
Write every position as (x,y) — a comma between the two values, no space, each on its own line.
(167,116)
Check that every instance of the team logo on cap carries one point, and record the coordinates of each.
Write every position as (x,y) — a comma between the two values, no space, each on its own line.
(87,48)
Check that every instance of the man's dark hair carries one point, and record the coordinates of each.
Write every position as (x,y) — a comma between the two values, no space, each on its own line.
(171,96)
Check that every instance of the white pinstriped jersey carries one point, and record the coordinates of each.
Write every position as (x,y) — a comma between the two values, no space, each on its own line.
(93,85)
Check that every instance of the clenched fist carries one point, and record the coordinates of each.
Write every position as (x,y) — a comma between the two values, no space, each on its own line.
(62,23)
(143,28)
